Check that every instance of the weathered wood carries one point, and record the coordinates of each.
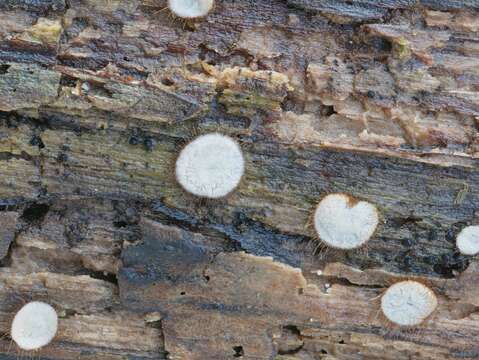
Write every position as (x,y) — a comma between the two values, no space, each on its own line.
(377,99)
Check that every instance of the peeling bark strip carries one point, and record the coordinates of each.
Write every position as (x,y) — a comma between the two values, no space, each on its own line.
(377,100)
(364,10)
(34,5)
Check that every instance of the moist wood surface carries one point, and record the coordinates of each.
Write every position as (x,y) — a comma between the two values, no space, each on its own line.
(376,99)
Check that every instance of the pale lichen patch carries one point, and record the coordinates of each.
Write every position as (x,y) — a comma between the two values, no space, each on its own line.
(45,31)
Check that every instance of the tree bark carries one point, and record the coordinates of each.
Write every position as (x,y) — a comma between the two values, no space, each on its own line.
(379,100)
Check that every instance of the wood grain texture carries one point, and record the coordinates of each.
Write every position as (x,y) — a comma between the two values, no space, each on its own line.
(376,99)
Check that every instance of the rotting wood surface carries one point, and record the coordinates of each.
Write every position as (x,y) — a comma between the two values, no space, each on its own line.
(377,99)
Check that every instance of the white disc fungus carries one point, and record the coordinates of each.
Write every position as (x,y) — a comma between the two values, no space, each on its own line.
(190,9)
(34,326)
(468,240)
(210,166)
(344,223)
(408,303)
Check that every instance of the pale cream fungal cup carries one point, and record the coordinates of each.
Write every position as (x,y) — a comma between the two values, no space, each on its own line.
(467,240)
(190,9)
(342,222)
(408,303)
(211,166)
(34,326)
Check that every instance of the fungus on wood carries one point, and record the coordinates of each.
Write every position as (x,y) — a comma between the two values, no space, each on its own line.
(34,326)
(210,166)
(408,303)
(190,9)
(370,106)
(468,240)
(345,223)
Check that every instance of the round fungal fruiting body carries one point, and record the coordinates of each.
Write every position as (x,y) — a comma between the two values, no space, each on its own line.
(34,326)
(408,303)
(468,240)
(190,9)
(344,223)
(211,166)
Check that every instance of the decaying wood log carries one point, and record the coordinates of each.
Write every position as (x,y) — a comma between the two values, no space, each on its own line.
(376,99)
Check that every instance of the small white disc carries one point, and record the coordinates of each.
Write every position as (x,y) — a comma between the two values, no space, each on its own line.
(468,240)
(190,9)
(34,326)
(408,303)
(344,223)
(210,166)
